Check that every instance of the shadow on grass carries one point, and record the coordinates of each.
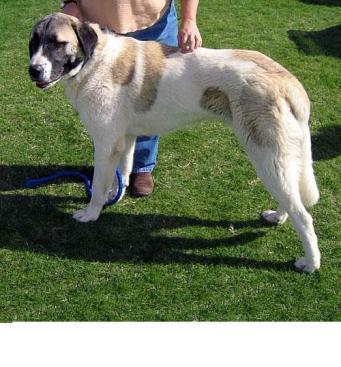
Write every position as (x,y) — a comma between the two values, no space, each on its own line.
(37,224)
(323,2)
(326,143)
(325,42)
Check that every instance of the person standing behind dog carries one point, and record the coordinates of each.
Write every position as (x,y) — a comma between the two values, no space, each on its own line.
(145,20)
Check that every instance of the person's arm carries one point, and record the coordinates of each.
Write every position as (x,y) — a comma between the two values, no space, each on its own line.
(71,8)
(189,36)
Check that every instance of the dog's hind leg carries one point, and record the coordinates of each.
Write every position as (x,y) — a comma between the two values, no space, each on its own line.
(106,160)
(284,184)
(303,224)
(308,187)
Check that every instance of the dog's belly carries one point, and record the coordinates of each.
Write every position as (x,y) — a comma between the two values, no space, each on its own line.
(162,123)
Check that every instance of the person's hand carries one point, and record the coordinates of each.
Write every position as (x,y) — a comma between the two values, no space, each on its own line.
(72,9)
(189,36)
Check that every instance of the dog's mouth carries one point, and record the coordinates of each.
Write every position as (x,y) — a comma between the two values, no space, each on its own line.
(45,85)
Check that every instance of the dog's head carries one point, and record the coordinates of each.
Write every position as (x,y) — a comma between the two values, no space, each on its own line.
(59,47)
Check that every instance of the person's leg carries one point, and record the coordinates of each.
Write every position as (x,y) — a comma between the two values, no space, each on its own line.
(164,31)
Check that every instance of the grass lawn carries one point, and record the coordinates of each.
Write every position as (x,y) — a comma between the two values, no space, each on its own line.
(196,249)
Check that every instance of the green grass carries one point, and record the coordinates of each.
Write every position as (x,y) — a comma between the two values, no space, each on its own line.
(196,249)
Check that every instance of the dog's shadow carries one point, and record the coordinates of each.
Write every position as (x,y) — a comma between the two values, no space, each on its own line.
(36,223)
(326,143)
(323,42)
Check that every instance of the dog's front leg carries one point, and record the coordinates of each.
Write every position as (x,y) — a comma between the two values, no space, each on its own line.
(106,161)
(127,157)
(125,167)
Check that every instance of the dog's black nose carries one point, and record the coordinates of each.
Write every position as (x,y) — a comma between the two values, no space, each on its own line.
(35,71)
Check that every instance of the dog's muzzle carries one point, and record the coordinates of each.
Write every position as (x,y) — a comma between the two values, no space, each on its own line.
(36,72)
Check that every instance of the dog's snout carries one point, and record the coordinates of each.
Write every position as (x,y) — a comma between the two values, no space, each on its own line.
(35,71)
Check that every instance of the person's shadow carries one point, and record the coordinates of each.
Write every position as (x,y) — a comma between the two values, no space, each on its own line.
(35,223)
(323,2)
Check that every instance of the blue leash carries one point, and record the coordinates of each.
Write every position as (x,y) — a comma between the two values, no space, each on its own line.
(34,183)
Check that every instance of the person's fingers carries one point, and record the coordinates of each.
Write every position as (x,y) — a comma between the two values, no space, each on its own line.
(198,41)
(189,39)
(183,41)
(191,43)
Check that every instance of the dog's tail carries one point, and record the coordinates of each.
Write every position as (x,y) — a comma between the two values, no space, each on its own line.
(307,184)
(300,105)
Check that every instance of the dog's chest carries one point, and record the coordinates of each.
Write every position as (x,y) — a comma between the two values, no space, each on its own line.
(88,90)
(94,105)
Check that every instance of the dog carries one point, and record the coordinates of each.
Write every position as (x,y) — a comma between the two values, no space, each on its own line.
(123,88)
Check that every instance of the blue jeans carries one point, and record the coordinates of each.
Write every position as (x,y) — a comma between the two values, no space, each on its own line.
(165,31)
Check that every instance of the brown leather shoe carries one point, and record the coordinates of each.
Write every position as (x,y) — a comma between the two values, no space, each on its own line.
(141,184)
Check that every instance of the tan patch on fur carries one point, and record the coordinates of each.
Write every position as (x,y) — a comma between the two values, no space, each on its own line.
(154,62)
(263,96)
(67,34)
(65,31)
(168,50)
(216,101)
(262,61)
(123,68)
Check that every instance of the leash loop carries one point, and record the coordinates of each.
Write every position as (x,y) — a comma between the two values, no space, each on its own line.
(36,182)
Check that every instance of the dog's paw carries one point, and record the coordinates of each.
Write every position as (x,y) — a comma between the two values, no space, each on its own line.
(274,217)
(302,264)
(86,215)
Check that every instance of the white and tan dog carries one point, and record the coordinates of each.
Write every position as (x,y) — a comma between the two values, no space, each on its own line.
(123,88)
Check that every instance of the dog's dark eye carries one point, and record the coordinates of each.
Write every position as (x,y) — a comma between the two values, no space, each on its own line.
(59,44)
(53,43)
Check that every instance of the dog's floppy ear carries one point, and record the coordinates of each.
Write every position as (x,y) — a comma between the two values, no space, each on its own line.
(87,37)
